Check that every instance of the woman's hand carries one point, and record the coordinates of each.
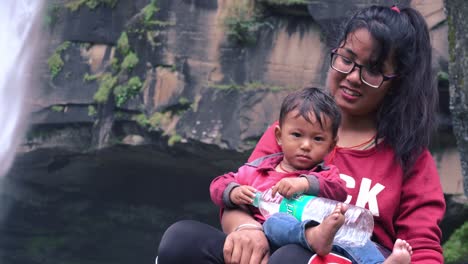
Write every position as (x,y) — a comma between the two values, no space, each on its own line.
(246,246)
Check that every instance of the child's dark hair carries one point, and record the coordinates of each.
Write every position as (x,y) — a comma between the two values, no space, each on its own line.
(407,116)
(312,101)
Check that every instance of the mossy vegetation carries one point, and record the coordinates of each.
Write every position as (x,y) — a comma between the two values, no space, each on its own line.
(126,91)
(442,76)
(141,119)
(156,122)
(106,83)
(57,108)
(90,77)
(91,4)
(148,15)
(149,11)
(451,37)
(85,45)
(255,85)
(116,81)
(243,22)
(115,66)
(55,61)
(130,61)
(173,139)
(51,14)
(44,245)
(92,110)
(122,44)
(456,247)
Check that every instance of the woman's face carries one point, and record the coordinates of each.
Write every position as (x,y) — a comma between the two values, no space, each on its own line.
(352,95)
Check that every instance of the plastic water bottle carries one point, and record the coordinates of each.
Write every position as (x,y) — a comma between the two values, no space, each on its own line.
(356,230)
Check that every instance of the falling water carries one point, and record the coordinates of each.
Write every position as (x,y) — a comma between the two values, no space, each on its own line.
(18,23)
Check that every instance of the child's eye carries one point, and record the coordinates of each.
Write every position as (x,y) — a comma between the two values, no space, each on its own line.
(296,134)
(318,138)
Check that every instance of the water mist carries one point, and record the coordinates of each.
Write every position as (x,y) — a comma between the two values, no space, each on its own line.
(19,20)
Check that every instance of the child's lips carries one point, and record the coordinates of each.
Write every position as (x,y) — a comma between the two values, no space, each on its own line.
(303,158)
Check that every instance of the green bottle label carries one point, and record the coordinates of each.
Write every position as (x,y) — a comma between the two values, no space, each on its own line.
(295,206)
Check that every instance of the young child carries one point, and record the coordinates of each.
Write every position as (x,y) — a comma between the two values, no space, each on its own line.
(307,132)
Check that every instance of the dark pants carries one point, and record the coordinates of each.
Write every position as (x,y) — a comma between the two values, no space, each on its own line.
(190,241)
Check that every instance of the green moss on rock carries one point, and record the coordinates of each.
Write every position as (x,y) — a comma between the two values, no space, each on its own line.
(122,44)
(55,61)
(130,61)
(91,4)
(106,83)
(129,90)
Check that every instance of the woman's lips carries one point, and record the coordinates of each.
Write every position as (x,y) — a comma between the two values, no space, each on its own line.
(350,94)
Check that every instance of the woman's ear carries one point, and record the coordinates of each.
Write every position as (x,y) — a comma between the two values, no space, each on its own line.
(278,134)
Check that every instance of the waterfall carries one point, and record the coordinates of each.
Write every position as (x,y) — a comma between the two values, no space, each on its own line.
(19,20)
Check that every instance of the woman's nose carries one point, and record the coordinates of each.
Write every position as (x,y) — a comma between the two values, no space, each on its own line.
(354,76)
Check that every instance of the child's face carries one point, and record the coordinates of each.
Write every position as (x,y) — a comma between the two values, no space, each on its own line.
(304,144)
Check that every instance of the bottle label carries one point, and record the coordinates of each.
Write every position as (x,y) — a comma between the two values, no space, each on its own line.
(295,206)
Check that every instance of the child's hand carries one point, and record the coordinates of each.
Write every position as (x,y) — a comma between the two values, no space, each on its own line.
(287,187)
(243,194)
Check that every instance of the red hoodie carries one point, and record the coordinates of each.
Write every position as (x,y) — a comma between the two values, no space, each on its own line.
(409,208)
(324,181)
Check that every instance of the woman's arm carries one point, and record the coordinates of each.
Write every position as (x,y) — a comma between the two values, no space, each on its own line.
(246,243)
(422,207)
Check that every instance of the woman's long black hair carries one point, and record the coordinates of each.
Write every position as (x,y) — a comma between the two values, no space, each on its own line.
(407,116)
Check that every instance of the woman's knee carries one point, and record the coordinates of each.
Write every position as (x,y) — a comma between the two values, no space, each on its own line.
(176,238)
(188,240)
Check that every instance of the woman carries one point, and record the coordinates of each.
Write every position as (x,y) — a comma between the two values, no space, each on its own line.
(380,76)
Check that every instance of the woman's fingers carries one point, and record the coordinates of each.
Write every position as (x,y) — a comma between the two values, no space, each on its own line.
(245,247)
(236,254)
(259,257)
(265,258)
(246,253)
(227,250)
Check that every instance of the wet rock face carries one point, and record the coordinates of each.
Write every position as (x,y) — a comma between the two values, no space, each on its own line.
(191,81)
(108,206)
(458,87)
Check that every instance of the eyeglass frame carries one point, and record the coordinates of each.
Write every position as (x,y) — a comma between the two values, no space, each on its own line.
(360,66)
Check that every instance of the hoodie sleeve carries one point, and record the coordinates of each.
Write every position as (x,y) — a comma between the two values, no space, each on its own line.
(220,189)
(422,207)
(327,183)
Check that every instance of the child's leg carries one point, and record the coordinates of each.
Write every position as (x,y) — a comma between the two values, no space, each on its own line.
(370,254)
(320,237)
(282,229)
(366,254)
(401,253)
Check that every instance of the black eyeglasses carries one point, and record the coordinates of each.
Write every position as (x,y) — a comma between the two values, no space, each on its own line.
(370,77)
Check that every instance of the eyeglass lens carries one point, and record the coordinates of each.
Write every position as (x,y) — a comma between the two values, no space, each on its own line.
(345,65)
